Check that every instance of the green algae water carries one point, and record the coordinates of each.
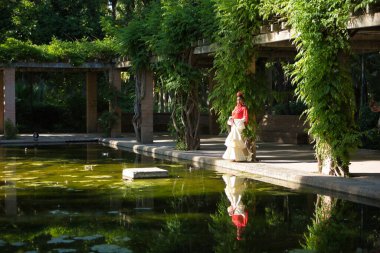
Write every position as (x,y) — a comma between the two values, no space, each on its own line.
(71,198)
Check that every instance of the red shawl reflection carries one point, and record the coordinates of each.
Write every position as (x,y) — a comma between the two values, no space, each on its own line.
(234,190)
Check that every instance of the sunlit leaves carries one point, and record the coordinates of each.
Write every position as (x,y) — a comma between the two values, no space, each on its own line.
(321,73)
(76,52)
(237,22)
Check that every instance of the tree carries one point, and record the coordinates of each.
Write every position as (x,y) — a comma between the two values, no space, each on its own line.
(40,21)
(166,30)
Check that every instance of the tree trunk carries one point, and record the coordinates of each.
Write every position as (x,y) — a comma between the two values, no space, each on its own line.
(192,116)
(136,120)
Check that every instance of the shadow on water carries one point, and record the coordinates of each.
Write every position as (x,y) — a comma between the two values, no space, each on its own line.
(71,198)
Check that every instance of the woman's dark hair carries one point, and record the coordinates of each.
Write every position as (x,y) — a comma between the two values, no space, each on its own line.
(240,95)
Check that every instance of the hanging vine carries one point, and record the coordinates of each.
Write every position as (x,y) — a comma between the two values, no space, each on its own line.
(235,62)
(166,30)
(321,73)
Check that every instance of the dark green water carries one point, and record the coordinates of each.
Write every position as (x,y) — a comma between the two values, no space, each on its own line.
(71,198)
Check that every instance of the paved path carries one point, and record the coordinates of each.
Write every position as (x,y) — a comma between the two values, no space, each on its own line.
(292,166)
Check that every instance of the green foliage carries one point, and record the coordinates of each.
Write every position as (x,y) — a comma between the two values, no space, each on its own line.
(40,21)
(367,118)
(333,229)
(368,126)
(106,121)
(76,53)
(136,37)
(234,58)
(167,30)
(51,102)
(10,130)
(321,73)
(14,50)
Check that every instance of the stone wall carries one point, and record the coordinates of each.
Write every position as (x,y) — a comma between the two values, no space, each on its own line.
(283,129)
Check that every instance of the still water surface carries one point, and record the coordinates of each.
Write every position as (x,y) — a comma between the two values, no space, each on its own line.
(71,198)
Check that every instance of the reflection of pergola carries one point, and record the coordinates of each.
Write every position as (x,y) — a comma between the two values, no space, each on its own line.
(8,93)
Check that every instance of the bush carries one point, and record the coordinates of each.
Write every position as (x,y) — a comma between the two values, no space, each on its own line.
(370,133)
(106,121)
(367,118)
(10,131)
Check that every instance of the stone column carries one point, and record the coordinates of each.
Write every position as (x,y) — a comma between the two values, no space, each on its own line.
(115,81)
(147,106)
(91,102)
(9,96)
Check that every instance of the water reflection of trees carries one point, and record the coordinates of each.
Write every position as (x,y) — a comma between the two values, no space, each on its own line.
(274,223)
(280,221)
(339,226)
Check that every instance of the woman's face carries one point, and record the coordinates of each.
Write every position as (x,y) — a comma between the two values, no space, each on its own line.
(239,100)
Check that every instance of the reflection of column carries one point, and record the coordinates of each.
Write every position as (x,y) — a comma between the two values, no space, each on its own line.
(115,80)
(146,201)
(9,96)
(1,101)
(91,106)
(147,106)
(91,153)
(10,195)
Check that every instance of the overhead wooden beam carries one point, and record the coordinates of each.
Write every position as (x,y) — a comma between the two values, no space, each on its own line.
(364,21)
(205,49)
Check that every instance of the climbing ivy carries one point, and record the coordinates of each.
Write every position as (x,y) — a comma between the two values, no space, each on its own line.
(321,73)
(161,38)
(73,52)
(235,61)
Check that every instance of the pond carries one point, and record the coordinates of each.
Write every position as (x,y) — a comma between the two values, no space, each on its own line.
(71,198)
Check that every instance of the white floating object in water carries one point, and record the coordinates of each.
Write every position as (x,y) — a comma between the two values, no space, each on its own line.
(135,173)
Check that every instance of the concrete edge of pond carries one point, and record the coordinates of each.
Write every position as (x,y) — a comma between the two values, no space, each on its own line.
(359,187)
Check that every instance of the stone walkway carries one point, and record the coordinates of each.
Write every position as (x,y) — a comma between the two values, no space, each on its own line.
(289,165)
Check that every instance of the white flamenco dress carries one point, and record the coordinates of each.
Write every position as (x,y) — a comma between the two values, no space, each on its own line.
(236,149)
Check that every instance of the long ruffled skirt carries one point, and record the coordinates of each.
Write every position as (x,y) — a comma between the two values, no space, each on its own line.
(236,149)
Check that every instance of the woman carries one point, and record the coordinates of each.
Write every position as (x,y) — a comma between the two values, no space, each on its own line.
(236,149)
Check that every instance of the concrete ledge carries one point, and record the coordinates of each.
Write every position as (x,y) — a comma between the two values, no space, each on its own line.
(351,186)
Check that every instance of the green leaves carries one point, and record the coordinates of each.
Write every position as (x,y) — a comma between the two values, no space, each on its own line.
(76,53)
(322,76)
(235,58)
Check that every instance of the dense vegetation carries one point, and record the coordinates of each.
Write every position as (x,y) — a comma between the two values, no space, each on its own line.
(160,36)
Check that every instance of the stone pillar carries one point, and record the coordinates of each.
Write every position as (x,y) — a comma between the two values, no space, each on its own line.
(115,81)
(147,106)
(9,96)
(91,102)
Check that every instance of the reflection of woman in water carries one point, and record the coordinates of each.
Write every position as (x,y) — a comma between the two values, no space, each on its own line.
(236,149)
(234,190)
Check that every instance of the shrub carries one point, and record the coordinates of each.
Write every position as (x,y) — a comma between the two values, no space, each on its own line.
(10,130)
(106,121)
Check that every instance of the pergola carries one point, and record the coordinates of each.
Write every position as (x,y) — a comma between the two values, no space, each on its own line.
(276,38)
(274,41)
(91,70)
